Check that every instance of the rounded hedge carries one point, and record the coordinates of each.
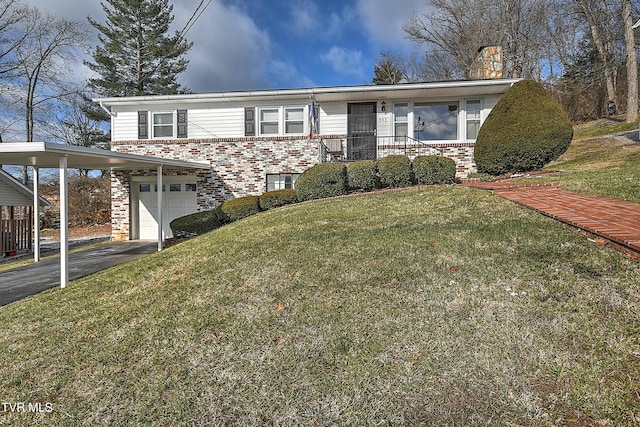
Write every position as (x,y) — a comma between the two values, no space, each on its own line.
(241,207)
(395,171)
(430,170)
(524,131)
(323,180)
(277,198)
(198,223)
(363,175)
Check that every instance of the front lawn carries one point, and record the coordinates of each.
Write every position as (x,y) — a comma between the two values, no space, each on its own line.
(438,306)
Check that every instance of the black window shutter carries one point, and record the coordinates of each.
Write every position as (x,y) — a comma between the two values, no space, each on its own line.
(249,121)
(143,125)
(182,124)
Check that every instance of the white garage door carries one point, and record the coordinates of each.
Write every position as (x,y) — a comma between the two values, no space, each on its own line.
(178,199)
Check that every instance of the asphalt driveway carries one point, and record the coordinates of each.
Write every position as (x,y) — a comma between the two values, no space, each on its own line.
(21,282)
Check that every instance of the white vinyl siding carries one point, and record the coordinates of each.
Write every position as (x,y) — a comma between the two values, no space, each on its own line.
(11,197)
(333,118)
(226,120)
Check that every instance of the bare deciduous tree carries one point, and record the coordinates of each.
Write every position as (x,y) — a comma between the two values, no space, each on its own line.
(632,63)
(457,28)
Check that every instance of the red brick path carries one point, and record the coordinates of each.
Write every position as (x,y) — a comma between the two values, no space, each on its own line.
(615,220)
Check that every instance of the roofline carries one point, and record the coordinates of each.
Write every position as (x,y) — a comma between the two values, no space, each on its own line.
(303,92)
(20,187)
(30,150)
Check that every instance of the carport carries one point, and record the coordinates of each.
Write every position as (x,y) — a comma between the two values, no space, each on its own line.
(43,155)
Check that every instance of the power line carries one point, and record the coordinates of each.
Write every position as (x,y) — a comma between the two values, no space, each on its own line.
(194,17)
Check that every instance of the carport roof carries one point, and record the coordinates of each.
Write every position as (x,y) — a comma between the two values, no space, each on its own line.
(47,155)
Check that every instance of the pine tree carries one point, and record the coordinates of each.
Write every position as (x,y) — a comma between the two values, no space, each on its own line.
(136,55)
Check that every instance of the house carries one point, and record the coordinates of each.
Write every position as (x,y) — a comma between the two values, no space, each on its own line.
(256,141)
(16,215)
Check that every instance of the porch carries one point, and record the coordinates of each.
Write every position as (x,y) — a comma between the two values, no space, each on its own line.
(372,147)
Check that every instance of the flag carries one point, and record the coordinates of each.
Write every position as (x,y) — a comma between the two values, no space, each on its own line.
(313,120)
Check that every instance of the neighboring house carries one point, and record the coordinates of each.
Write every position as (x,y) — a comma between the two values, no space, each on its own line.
(262,140)
(16,215)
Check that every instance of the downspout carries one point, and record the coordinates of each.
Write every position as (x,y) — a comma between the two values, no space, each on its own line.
(108,111)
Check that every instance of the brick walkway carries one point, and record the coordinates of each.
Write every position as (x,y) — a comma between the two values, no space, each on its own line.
(614,220)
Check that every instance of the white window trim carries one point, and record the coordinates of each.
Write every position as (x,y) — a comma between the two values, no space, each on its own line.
(282,120)
(259,121)
(466,120)
(408,119)
(174,119)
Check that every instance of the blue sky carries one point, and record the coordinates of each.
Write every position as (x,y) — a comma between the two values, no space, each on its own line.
(267,44)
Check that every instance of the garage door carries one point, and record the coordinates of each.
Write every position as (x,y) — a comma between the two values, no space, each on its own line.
(178,199)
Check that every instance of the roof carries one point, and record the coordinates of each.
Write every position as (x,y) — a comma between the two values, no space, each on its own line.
(20,189)
(333,93)
(47,155)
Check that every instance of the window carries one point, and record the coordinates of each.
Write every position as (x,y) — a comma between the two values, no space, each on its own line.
(190,187)
(436,121)
(162,125)
(276,121)
(473,118)
(281,181)
(145,188)
(294,120)
(401,121)
(269,121)
(155,188)
(174,188)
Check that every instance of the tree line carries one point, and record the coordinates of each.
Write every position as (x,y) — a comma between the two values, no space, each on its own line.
(583,51)
(42,93)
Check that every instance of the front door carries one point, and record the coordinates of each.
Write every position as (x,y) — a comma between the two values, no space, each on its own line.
(361,137)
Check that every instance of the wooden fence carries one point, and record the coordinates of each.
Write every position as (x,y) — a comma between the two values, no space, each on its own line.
(15,235)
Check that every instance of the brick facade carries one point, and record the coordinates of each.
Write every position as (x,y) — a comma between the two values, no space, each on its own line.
(240,166)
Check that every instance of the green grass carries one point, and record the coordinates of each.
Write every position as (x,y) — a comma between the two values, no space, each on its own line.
(607,166)
(440,306)
(604,127)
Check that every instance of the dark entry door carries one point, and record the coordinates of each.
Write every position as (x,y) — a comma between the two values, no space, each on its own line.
(361,138)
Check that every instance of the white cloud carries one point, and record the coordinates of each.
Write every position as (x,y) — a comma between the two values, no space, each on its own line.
(383,20)
(287,75)
(230,52)
(345,61)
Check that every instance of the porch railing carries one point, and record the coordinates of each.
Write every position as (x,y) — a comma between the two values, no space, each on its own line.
(15,235)
(350,149)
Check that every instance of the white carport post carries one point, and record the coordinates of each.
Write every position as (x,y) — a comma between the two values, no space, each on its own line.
(159,183)
(36,216)
(64,223)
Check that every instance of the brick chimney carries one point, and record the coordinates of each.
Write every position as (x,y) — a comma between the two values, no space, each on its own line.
(488,64)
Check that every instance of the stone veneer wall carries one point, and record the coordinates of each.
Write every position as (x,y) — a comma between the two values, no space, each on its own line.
(240,166)
(488,64)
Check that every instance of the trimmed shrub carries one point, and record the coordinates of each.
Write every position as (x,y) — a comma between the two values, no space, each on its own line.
(277,198)
(323,180)
(241,207)
(363,175)
(198,223)
(395,171)
(525,130)
(434,170)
